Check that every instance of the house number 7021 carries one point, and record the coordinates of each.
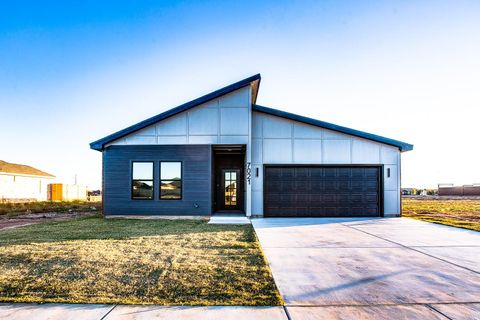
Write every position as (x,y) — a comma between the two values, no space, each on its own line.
(249,172)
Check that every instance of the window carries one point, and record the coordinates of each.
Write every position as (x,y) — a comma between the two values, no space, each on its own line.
(142,180)
(230,188)
(171,180)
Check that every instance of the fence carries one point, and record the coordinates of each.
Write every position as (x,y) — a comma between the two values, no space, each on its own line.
(459,191)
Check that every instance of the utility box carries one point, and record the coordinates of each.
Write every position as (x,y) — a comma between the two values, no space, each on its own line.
(55,192)
(66,192)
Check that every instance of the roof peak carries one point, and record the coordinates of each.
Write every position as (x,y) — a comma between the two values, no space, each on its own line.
(255,80)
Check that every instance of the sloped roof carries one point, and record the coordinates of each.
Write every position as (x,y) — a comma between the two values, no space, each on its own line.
(403,146)
(253,80)
(8,167)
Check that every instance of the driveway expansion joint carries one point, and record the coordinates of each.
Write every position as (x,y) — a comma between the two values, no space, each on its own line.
(106,314)
(286,312)
(438,311)
(413,249)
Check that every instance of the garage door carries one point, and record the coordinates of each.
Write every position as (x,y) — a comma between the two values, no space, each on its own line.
(322,191)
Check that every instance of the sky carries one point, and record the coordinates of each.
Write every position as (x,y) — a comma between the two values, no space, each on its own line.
(74,72)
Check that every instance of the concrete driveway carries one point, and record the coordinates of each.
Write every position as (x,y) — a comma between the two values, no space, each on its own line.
(394,268)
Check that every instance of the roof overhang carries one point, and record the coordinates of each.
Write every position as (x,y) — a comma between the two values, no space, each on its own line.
(402,146)
(253,81)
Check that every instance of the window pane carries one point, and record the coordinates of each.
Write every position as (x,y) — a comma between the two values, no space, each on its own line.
(227,176)
(234,176)
(170,170)
(171,189)
(142,190)
(142,171)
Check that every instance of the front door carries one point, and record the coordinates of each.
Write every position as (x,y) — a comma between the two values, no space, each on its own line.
(230,185)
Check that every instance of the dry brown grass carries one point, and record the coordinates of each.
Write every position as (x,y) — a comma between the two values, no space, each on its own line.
(92,260)
(15,209)
(454,212)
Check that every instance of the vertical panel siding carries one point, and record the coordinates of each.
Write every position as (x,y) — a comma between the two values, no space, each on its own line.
(280,141)
(196,180)
(224,120)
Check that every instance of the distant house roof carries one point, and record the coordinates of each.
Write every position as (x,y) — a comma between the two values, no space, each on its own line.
(253,80)
(403,146)
(7,167)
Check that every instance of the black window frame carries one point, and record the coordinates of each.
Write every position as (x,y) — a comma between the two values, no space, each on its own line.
(161,180)
(133,180)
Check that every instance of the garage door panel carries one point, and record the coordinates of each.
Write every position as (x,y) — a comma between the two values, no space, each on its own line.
(344,172)
(303,198)
(316,173)
(288,172)
(329,173)
(359,173)
(328,185)
(301,185)
(322,191)
(316,185)
(371,172)
(343,185)
(302,172)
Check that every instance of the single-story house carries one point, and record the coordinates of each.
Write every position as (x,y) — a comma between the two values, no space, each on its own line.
(19,182)
(224,153)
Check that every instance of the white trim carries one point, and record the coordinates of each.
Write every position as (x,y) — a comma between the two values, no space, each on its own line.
(25,175)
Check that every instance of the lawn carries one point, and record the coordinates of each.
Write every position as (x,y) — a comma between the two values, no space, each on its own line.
(168,262)
(14,209)
(456,212)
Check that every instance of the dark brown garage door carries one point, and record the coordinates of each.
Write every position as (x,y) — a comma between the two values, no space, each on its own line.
(322,191)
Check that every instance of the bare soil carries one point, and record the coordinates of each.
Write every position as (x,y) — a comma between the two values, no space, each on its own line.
(10,222)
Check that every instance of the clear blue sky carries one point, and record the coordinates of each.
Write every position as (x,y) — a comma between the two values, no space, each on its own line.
(73,73)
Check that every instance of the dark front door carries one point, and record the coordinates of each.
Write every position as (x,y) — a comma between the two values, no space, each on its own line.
(229,181)
(322,191)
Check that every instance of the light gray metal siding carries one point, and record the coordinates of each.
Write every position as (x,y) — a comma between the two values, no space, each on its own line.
(196,180)
(276,140)
(224,120)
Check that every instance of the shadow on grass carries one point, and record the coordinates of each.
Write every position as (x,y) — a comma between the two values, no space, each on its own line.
(97,228)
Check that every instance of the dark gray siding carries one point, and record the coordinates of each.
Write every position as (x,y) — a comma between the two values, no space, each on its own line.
(196,180)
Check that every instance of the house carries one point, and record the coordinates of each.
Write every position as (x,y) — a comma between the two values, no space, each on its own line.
(20,182)
(224,153)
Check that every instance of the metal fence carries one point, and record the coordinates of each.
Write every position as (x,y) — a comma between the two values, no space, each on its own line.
(459,191)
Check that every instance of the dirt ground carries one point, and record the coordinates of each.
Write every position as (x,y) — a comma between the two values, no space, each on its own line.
(458,212)
(26,219)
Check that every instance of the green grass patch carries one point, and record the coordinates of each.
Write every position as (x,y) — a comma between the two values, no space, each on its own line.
(457,212)
(167,262)
(14,209)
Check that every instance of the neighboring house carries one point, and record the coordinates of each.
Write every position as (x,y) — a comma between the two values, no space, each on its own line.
(224,153)
(20,182)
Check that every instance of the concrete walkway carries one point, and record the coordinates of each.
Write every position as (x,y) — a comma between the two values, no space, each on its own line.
(394,268)
(53,311)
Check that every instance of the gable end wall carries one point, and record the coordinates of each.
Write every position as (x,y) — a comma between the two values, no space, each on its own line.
(276,140)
